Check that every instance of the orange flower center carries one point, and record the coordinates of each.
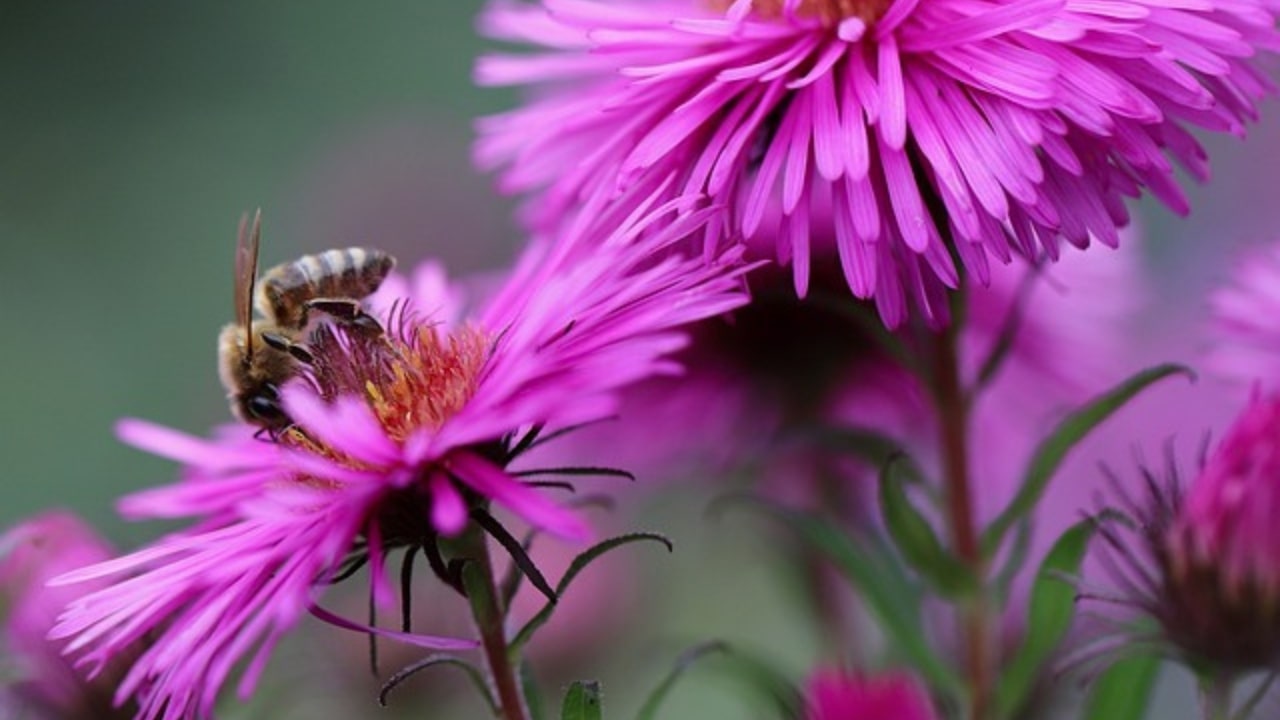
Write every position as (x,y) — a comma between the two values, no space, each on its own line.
(412,377)
(829,12)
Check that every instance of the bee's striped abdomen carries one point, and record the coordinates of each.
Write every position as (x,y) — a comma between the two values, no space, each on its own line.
(348,273)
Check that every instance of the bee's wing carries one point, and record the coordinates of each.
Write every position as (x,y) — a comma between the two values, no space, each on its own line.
(246,271)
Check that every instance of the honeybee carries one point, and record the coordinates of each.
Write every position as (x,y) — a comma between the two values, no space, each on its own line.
(257,356)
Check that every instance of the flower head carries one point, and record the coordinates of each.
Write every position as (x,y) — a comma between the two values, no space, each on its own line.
(840,695)
(400,436)
(1210,570)
(31,553)
(911,129)
(1247,321)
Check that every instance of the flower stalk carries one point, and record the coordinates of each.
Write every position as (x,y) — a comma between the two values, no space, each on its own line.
(953,427)
(490,619)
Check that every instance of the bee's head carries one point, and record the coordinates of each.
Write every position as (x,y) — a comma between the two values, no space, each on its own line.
(253,381)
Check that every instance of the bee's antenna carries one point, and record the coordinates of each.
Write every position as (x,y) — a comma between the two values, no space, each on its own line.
(246,273)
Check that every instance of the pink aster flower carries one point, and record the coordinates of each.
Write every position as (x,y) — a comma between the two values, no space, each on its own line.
(399,437)
(47,685)
(907,127)
(841,695)
(1247,321)
(1208,566)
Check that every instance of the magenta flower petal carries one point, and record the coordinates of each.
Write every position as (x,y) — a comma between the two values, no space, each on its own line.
(901,127)
(448,510)
(179,446)
(432,642)
(1247,322)
(40,682)
(1232,506)
(346,424)
(840,695)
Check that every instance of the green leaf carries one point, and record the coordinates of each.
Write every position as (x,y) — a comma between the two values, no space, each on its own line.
(1049,615)
(472,672)
(1124,690)
(532,693)
(1054,449)
(1017,557)
(760,677)
(889,593)
(649,710)
(916,539)
(579,564)
(582,702)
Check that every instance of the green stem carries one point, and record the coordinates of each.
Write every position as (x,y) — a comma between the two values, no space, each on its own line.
(953,418)
(482,593)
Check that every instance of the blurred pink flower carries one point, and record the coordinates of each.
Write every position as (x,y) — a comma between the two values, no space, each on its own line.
(1016,123)
(782,363)
(1231,508)
(1247,322)
(399,437)
(1208,566)
(47,684)
(840,695)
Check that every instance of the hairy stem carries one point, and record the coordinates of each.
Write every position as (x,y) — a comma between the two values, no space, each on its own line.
(953,418)
(486,608)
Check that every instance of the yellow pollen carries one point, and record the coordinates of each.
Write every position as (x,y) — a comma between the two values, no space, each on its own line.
(375,396)
(432,376)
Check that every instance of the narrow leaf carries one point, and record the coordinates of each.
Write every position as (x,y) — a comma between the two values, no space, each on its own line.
(759,676)
(473,674)
(889,593)
(1017,557)
(582,702)
(649,711)
(1124,690)
(1049,615)
(579,564)
(532,693)
(916,539)
(1054,449)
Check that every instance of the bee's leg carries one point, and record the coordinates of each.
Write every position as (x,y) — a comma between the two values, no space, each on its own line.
(277,433)
(347,311)
(284,344)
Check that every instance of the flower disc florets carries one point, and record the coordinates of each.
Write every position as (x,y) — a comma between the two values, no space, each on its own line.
(412,375)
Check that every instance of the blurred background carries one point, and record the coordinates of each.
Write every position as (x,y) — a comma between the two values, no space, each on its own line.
(132,136)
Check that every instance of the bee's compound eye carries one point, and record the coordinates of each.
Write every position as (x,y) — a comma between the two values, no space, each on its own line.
(264,408)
